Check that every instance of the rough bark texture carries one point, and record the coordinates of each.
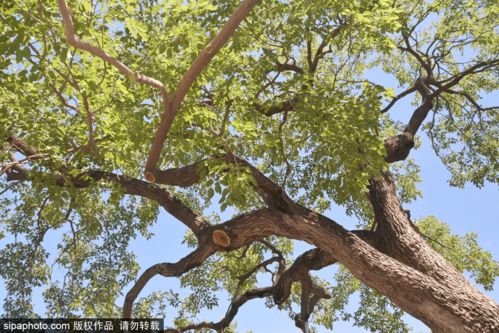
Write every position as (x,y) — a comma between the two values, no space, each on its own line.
(400,239)
(394,259)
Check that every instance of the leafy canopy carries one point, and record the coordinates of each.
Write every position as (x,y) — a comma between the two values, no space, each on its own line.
(309,59)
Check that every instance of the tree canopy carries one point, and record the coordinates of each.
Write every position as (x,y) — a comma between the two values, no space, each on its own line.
(111,111)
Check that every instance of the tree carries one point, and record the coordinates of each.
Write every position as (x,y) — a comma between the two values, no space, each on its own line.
(265,107)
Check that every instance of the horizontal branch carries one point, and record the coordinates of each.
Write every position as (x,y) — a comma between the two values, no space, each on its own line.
(289,67)
(183,176)
(281,107)
(131,186)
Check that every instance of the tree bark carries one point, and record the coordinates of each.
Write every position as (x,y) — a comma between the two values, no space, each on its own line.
(394,259)
(400,239)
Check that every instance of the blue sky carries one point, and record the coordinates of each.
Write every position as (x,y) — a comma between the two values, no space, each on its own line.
(465,210)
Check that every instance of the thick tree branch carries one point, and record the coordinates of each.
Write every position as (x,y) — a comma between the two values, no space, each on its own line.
(310,296)
(409,288)
(188,79)
(398,147)
(314,259)
(184,176)
(272,194)
(131,186)
(400,238)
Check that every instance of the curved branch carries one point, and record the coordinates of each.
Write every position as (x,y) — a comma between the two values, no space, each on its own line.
(272,194)
(231,312)
(74,41)
(301,265)
(314,259)
(131,186)
(310,296)
(194,259)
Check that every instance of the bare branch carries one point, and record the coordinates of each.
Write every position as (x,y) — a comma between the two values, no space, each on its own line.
(408,48)
(261,265)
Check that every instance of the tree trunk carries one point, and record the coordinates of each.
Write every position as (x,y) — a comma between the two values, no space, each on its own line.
(429,288)
(468,309)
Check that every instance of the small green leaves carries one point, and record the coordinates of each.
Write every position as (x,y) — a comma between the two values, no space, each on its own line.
(462,251)
(291,93)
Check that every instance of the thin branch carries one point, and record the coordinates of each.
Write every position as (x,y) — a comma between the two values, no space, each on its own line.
(255,269)
(231,312)
(192,260)
(131,186)
(397,98)
(476,68)
(298,272)
(408,48)
(74,41)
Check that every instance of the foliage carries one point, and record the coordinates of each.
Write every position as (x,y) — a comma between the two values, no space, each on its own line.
(80,114)
(462,251)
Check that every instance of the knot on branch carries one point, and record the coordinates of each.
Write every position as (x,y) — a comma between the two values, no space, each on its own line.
(149,176)
(398,147)
(221,238)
